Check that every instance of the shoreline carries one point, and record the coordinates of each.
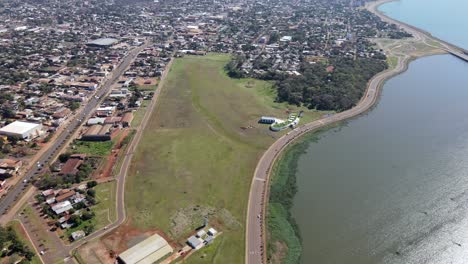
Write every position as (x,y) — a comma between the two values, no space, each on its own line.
(259,192)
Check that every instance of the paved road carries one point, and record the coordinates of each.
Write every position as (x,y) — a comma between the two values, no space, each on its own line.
(418,33)
(13,194)
(255,229)
(120,191)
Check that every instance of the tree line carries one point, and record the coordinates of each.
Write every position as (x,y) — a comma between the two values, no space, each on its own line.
(338,89)
(9,240)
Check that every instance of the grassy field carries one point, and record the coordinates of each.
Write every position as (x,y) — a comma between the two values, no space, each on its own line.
(105,209)
(93,148)
(392,61)
(199,151)
(22,236)
(138,114)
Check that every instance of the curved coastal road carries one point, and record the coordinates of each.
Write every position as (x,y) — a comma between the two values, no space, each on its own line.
(258,197)
(255,230)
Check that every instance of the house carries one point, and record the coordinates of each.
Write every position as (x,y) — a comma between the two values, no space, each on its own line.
(96,121)
(78,234)
(71,167)
(65,196)
(113,120)
(62,207)
(195,242)
(61,113)
(98,133)
(9,167)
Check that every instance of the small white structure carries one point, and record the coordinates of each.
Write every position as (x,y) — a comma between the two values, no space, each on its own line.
(267,120)
(195,242)
(22,130)
(286,38)
(212,232)
(78,234)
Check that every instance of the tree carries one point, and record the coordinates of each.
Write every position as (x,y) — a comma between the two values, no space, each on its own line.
(64,157)
(75,220)
(91,192)
(88,229)
(91,184)
(74,105)
(87,216)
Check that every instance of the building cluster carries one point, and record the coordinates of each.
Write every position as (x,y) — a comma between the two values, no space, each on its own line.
(69,208)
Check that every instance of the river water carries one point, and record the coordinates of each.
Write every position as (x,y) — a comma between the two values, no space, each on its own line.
(392,186)
(445,19)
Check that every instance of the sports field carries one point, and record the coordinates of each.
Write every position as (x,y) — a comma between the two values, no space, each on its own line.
(198,154)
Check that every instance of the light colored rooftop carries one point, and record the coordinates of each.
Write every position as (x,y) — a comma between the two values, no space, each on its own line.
(103,41)
(148,251)
(19,127)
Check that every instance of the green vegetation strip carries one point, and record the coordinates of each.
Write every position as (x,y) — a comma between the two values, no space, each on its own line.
(284,240)
(105,208)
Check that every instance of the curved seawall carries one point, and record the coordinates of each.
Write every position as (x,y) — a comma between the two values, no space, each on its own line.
(350,208)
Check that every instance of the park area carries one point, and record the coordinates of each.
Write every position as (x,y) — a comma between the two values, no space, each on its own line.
(197,156)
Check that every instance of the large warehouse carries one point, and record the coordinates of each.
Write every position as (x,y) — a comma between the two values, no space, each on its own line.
(147,251)
(22,130)
(102,42)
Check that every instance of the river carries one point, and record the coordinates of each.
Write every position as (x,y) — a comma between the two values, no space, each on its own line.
(391,186)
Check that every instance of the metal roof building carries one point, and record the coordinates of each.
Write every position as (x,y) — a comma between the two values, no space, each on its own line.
(102,42)
(23,130)
(148,251)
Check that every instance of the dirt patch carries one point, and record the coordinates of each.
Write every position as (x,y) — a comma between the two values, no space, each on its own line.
(96,252)
(106,169)
(146,81)
(279,253)
(187,219)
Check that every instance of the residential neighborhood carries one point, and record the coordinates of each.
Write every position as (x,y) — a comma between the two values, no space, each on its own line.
(81,80)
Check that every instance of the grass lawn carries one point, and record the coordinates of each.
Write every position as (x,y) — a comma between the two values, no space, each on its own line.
(105,209)
(139,113)
(22,236)
(200,148)
(93,148)
(392,61)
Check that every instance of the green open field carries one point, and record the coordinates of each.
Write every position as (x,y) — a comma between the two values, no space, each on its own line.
(93,148)
(198,153)
(105,209)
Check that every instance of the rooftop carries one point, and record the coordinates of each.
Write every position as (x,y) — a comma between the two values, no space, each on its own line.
(19,127)
(148,251)
(103,42)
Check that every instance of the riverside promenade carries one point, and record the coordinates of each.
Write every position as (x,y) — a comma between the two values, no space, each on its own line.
(258,198)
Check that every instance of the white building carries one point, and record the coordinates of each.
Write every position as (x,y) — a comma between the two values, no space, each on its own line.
(62,207)
(22,130)
(78,234)
(150,250)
